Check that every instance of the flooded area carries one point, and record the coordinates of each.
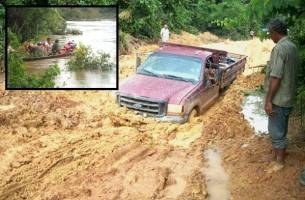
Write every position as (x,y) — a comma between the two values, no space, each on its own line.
(253,110)
(101,37)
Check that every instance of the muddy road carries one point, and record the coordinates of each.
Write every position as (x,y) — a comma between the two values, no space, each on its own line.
(64,145)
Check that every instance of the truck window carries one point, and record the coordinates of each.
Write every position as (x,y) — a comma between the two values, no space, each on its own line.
(179,67)
(209,62)
(210,72)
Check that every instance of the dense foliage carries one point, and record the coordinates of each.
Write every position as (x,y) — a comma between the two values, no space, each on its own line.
(87,13)
(31,22)
(84,58)
(144,18)
(19,78)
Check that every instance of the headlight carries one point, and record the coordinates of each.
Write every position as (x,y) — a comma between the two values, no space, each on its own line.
(174,109)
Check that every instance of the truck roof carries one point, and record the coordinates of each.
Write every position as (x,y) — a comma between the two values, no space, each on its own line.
(188,50)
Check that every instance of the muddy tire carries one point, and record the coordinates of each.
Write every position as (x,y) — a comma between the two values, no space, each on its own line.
(193,115)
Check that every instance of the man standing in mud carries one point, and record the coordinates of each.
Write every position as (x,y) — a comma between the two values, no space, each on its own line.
(280,88)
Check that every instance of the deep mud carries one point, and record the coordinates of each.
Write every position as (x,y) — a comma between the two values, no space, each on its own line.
(80,145)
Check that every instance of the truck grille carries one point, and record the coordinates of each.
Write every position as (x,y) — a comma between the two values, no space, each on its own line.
(151,108)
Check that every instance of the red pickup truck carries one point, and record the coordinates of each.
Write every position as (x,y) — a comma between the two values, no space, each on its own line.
(178,82)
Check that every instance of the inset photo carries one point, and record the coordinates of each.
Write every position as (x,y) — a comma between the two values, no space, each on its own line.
(61,48)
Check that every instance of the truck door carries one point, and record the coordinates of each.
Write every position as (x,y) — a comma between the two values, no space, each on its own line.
(210,85)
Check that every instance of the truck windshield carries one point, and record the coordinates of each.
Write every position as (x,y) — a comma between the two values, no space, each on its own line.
(171,66)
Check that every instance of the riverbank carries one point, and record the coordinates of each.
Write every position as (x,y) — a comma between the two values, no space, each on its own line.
(81,145)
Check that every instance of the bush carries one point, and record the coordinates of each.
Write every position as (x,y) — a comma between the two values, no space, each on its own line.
(84,58)
(19,78)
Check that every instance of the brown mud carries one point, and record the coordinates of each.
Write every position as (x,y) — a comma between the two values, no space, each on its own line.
(80,145)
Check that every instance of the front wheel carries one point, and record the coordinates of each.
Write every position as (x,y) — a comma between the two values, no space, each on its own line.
(193,115)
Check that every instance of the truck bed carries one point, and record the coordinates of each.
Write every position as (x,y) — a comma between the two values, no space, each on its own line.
(231,65)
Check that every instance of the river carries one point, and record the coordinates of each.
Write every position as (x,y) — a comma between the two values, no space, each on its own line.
(101,36)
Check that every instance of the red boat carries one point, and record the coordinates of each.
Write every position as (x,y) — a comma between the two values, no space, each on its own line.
(67,50)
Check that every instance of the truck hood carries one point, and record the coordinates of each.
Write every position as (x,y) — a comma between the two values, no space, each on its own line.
(157,88)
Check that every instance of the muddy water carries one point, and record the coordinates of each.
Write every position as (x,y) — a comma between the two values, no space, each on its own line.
(253,111)
(101,37)
(217,178)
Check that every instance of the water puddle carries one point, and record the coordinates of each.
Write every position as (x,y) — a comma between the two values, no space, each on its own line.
(216,177)
(253,110)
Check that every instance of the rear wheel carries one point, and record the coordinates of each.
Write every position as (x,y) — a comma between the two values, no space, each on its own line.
(193,115)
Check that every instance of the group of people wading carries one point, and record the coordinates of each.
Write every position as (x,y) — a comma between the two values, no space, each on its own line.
(47,48)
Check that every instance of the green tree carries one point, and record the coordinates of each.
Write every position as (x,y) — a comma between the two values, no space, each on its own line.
(178,15)
(141,18)
(144,18)
(28,23)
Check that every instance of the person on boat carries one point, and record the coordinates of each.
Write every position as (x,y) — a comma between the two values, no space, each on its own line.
(44,49)
(34,49)
(55,47)
(69,47)
(46,45)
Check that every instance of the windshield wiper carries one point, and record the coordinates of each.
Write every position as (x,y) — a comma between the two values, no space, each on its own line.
(179,78)
(147,72)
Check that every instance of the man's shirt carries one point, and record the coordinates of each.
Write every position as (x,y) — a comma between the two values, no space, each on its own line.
(283,65)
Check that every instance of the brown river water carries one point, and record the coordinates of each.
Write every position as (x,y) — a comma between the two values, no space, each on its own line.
(101,37)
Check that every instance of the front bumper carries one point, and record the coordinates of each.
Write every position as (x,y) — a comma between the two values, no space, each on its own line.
(174,119)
